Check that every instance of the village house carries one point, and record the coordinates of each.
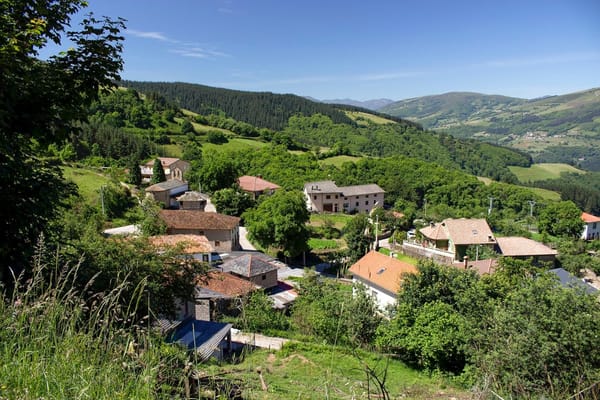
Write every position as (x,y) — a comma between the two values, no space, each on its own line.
(591,230)
(327,197)
(447,242)
(381,275)
(174,168)
(216,293)
(252,268)
(524,248)
(256,186)
(195,246)
(192,200)
(222,231)
(167,192)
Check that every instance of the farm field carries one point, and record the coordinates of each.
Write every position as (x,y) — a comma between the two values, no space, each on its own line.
(88,182)
(337,161)
(540,172)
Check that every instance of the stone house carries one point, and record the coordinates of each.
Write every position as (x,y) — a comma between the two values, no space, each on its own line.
(174,168)
(327,197)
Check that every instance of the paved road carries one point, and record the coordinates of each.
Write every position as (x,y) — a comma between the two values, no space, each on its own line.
(257,340)
(244,242)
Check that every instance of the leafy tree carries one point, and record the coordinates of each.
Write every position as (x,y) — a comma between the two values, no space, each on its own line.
(540,342)
(363,317)
(216,137)
(258,314)
(358,237)
(158,172)
(219,171)
(152,224)
(116,199)
(561,219)
(279,222)
(135,173)
(40,101)
(187,127)
(231,201)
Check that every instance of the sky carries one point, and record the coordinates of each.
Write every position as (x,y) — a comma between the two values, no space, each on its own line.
(362,50)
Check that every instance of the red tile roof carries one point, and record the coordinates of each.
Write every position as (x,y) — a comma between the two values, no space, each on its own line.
(588,218)
(227,284)
(190,244)
(194,219)
(255,184)
(381,270)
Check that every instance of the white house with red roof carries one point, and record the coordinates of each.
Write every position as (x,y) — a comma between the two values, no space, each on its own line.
(256,185)
(382,276)
(591,231)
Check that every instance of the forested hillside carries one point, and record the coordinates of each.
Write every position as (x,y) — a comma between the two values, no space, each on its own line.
(552,129)
(316,125)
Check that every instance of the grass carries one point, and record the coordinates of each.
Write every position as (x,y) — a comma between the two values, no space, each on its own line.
(361,116)
(323,244)
(546,194)
(400,256)
(311,371)
(235,144)
(338,161)
(339,221)
(55,345)
(87,181)
(539,172)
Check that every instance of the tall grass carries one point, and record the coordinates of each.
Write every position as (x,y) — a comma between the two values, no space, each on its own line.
(56,343)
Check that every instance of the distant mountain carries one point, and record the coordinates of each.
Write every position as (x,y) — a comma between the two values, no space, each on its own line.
(373,105)
(562,128)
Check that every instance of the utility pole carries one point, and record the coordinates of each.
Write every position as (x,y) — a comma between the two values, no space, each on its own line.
(531,204)
(491,205)
(102,199)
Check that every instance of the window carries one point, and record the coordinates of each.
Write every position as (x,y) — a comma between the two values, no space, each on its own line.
(336,196)
(367,203)
(217,243)
(374,196)
(594,226)
(314,197)
(264,277)
(367,196)
(327,197)
(345,198)
(357,204)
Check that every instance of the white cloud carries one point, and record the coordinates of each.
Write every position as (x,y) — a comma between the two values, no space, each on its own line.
(149,35)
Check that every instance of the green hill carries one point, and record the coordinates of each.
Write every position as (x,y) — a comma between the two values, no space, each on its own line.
(342,129)
(557,129)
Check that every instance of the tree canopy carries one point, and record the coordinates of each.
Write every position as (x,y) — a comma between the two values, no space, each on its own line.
(40,102)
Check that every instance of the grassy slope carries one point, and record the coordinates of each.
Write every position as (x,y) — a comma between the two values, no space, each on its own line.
(88,182)
(539,172)
(337,161)
(303,371)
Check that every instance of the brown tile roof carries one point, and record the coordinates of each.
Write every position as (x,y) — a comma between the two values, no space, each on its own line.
(482,267)
(191,244)
(469,231)
(255,184)
(248,265)
(461,231)
(381,270)
(193,219)
(192,195)
(227,284)
(588,218)
(523,247)
(165,161)
(435,232)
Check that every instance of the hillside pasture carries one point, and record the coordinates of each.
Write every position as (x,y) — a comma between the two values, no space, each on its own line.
(364,118)
(540,172)
(235,144)
(88,182)
(338,161)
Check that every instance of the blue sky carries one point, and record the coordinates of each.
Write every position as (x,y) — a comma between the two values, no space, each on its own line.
(364,50)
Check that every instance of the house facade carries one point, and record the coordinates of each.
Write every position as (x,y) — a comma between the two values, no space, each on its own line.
(591,230)
(382,276)
(447,242)
(192,200)
(167,192)
(256,186)
(222,231)
(174,168)
(327,197)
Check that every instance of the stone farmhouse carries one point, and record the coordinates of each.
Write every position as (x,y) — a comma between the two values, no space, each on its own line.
(174,168)
(327,197)
(256,186)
